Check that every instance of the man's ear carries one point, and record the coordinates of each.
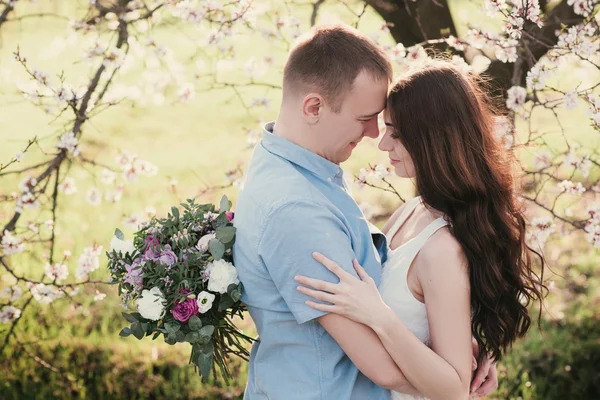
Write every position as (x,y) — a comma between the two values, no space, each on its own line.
(312,107)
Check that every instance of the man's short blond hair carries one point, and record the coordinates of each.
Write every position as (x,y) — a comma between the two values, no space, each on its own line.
(329,59)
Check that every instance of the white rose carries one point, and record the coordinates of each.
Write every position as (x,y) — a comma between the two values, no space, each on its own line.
(205,301)
(221,275)
(202,245)
(152,304)
(121,246)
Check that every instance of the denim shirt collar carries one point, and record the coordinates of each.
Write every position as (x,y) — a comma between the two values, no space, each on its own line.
(300,156)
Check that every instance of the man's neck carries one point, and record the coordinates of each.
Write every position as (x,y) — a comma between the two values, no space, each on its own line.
(298,133)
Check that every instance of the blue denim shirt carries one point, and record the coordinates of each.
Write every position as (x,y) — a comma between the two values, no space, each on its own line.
(294,202)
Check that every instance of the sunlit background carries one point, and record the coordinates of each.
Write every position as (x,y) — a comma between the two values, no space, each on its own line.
(185,100)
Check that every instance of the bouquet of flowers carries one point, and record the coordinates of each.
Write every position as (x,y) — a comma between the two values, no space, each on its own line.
(178,272)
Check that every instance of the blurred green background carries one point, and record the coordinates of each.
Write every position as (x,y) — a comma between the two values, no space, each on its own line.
(68,350)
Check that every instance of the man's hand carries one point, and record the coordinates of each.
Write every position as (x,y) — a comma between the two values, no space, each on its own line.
(486,378)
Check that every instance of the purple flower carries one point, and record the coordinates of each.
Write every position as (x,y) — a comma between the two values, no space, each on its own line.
(167,256)
(183,310)
(134,275)
(151,252)
(205,275)
(229,215)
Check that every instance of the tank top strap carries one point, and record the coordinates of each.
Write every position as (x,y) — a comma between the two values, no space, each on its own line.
(409,207)
(419,241)
(412,247)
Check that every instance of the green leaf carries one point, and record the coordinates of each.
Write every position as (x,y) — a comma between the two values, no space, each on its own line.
(204,361)
(157,334)
(235,292)
(175,212)
(119,234)
(226,302)
(193,337)
(170,340)
(195,323)
(137,315)
(222,220)
(179,336)
(172,328)
(225,233)
(125,332)
(129,317)
(207,331)
(225,204)
(137,330)
(216,248)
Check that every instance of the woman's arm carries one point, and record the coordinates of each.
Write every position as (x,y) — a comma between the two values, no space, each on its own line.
(366,351)
(444,371)
(441,373)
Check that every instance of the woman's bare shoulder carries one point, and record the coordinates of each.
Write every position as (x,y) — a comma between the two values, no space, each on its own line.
(442,253)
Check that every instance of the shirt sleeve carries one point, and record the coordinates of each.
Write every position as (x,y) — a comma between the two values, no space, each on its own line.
(292,233)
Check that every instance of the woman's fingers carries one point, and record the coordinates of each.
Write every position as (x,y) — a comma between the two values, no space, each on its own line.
(490,385)
(321,307)
(360,270)
(317,284)
(480,375)
(317,294)
(331,265)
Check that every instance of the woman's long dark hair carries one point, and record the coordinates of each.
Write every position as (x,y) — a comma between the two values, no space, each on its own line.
(445,120)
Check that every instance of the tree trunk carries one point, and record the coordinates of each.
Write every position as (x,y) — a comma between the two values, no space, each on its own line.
(414,22)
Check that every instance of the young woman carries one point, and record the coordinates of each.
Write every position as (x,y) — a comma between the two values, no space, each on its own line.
(458,267)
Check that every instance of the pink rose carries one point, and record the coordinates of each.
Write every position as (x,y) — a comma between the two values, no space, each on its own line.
(229,215)
(185,309)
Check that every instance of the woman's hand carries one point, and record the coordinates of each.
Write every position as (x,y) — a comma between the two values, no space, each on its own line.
(356,299)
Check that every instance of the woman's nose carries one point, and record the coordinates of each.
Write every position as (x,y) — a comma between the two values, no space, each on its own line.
(384,143)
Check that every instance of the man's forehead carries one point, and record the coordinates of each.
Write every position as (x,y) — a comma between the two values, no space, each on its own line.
(372,110)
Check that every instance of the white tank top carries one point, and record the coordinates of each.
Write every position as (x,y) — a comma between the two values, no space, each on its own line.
(394,279)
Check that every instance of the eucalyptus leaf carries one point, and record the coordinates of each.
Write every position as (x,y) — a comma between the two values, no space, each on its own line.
(172,328)
(195,323)
(222,220)
(204,362)
(225,302)
(170,340)
(193,337)
(225,204)
(179,336)
(137,315)
(207,331)
(137,330)
(225,233)
(129,317)
(119,234)
(216,248)
(204,359)
(125,332)
(235,292)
